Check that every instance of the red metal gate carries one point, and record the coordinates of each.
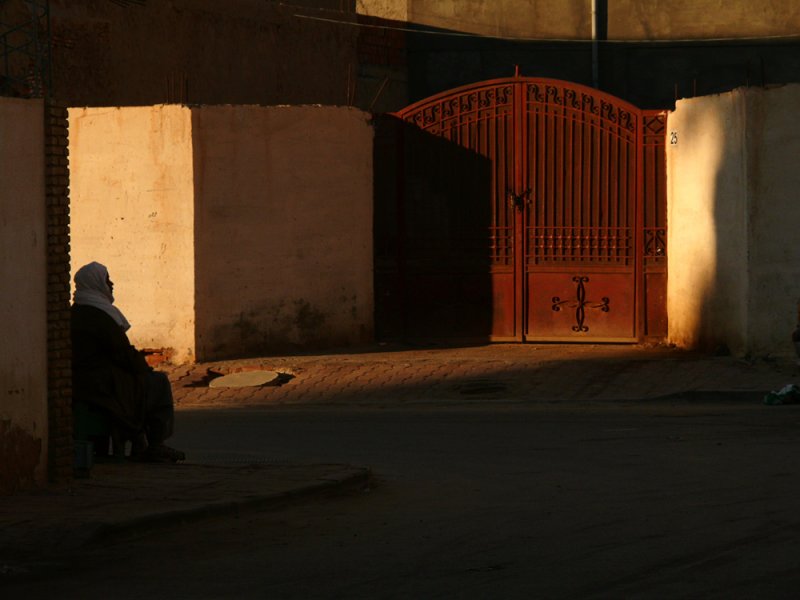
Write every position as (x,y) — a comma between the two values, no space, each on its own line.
(576,217)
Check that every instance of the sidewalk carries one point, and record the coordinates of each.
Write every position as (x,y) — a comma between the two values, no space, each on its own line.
(514,373)
(123,499)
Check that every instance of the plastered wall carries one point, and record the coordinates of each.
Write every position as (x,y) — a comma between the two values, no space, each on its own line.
(229,230)
(23,303)
(734,270)
(773,153)
(132,207)
(284,228)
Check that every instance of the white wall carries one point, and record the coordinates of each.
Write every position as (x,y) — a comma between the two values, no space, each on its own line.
(23,302)
(733,262)
(773,163)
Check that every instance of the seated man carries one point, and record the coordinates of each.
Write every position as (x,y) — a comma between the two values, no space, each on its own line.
(112,375)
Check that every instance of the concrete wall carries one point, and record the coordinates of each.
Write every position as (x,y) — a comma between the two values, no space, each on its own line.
(396,10)
(132,194)
(23,303)
(734,269)
(695,19)
(547,19)
(571,19)
(284,228)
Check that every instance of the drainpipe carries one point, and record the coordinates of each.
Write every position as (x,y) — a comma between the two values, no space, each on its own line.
(595,59)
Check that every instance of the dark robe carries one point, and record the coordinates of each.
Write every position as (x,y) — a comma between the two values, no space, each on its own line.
(107,371)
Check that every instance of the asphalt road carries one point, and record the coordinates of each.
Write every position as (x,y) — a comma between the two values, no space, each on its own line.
(624,501)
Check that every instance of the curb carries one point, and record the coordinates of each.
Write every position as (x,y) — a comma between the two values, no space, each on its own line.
(160,520)
(755,397)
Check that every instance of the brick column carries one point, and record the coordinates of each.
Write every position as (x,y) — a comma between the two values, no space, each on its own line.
(59,370)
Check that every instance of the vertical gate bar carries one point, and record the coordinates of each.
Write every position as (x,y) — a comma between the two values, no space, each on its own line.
(577,177)
(633,200)
(546,161)
(561,168)
(508,177)
(501,143)
(616,141)
(568,177)
(650,178)
(521,266)
(605,176)
(553,177)
(598,162)
(547,176)
(536,162)
(587,188)
(639,229)
(620,202)
(622,186)
(494,224)
(509,149)
(592,189)
(494,136)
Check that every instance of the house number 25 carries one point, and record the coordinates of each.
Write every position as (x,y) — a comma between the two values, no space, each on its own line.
(673,137)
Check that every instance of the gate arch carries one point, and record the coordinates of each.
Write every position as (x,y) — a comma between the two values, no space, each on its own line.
(570,234)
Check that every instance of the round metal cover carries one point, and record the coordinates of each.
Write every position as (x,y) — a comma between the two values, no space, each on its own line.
(244,379)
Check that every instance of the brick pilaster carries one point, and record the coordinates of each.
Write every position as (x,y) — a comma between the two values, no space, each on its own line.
(59,370)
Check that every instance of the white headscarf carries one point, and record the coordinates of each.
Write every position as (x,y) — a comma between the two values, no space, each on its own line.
(91,289)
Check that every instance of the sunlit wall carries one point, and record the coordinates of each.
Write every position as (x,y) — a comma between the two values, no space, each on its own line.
(734,265)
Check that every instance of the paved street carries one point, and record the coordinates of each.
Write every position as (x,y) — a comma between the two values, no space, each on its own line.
(669,501)
(489,494)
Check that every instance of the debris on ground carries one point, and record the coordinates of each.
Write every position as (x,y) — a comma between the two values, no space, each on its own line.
(789,394)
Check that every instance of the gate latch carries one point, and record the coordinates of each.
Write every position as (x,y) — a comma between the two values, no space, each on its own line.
(519,200)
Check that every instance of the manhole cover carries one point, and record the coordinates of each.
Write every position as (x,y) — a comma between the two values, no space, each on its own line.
(244,379)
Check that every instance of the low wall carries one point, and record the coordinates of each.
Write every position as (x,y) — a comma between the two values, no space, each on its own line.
(23,305)
(284,228)
(229,231)
(734,270)
(133,210)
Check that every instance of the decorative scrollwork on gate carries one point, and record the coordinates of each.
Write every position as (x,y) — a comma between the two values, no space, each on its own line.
(535,93)
(554,95)
(607,111)
(571,99)
(587,102)
(581,304)
(430,115)
(450,108)
(427,116)
(655,243)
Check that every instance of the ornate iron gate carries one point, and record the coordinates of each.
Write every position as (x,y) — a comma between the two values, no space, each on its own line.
(572,179)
